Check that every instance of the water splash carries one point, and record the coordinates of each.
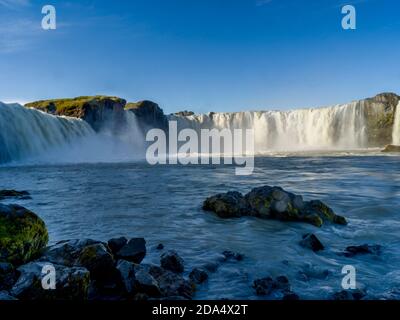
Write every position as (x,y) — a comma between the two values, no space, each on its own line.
(340,127)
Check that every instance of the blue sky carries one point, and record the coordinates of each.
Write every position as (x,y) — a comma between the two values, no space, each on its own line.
(201,55)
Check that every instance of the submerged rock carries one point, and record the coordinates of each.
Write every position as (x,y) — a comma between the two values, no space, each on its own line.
(133,251)
(198,275)
(160,246)
(22,195)
(311,241)
(352,251)
(23,235)
(71,283)
(172,284)
(266,286)
(233,255)
(171,261)
(145,282)
(272,203)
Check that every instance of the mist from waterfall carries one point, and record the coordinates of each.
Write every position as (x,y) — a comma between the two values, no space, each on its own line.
(34,136)
(396,126)
(340,127)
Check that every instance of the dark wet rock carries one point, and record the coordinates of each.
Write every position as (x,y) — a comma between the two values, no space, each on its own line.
(272,203)
(126,270)
(311,241)
(171,261)
(71,283)
(145,282)
(116,244)
(23,235)
(198,275)
(227,205)
(134,251)
(98,261)
(233,255)
(67,252)
(391,148)
(356,294)
(21,195)
(352,251)
(290,296)
(8,276)
(172,284)
(282,283)
(141,297)
(5,296)
(160,246)
(264,286)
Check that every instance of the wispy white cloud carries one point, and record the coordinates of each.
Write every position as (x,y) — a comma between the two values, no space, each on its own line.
(17,35)
(13,4)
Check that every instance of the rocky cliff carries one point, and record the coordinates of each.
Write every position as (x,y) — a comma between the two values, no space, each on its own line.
(149,114)
(98,111)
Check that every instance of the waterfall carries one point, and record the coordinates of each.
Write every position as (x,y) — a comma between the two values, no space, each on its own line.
(338,127)
(28,132)
(396,126)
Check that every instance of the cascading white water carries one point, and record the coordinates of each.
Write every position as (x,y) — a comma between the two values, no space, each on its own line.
(29,132)
(338,127)
(396,126)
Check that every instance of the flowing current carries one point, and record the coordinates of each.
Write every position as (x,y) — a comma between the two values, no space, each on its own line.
(332,128)
(28,132)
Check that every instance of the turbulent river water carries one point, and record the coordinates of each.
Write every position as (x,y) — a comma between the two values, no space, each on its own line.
(163,204)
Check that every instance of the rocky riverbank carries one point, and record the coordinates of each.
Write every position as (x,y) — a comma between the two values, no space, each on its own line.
(88,269)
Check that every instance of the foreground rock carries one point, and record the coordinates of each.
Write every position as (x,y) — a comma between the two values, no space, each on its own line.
(71,283)
(272,203)
(391,148)
(356,294)
(170,260)
(134,250)
(23,235)
(21,195)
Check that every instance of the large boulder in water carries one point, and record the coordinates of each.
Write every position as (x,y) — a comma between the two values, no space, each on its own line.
(98,111)
(23,235)
(272,203)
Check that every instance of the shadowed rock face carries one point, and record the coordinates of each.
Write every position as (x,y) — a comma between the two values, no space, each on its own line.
(149,114)
(98,111)
(379,114)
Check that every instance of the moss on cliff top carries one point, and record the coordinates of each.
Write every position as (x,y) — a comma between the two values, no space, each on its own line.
(71,106)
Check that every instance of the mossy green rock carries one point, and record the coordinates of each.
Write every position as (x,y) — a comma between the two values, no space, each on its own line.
(23,235)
